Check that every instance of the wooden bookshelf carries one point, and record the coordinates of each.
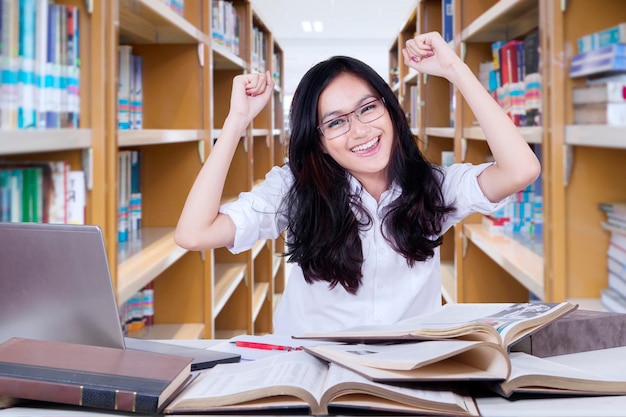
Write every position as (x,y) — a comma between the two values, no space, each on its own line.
(582,165)
(186,74)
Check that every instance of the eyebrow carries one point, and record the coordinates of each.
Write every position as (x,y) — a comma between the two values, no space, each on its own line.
(338,113)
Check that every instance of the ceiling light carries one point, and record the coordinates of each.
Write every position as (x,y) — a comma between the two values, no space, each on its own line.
(306,26)
(317,26)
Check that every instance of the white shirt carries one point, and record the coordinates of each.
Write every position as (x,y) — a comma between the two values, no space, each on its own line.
(390,290)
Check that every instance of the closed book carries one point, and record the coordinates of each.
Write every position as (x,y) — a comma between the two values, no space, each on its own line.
(612,114)
(90,376)
(602,38)
(580,331)
(614,92)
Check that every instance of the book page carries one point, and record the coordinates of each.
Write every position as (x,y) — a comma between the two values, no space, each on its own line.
(296,373)
(342,383)
(530,373)
(401,356)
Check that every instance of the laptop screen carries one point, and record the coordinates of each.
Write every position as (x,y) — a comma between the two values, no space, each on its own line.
(55,284)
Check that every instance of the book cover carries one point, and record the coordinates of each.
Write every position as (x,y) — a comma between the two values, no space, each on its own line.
(90,376)
(580,331)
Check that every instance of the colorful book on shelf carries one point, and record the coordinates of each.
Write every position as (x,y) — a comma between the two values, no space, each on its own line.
(605,60)
(90,376)
(602,38)
(612,300)
(299,382)
(499,323)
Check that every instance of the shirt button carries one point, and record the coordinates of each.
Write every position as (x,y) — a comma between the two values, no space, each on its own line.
(379,285)
(381,251)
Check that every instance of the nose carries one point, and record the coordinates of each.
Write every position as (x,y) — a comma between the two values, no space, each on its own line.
(357,127)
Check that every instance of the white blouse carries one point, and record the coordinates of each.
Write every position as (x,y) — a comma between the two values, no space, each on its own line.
(390,290)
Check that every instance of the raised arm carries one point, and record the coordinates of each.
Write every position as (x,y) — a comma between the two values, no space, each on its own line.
(200,225)
(516,165)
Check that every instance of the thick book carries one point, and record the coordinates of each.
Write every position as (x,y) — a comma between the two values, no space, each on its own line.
(539,376)
(610,91)
(499,323)
(90,376)
(299,382)
(580,331)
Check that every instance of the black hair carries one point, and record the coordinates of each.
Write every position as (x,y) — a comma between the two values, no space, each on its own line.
(325,217)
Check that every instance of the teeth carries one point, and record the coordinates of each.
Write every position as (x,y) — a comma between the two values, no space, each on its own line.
(365,146)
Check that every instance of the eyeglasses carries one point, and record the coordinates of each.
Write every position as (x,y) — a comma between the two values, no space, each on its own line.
(340,125)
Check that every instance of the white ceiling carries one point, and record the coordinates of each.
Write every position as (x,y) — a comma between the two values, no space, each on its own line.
(364,29)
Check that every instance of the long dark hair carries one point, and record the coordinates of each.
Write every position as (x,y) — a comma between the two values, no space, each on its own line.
(325,217)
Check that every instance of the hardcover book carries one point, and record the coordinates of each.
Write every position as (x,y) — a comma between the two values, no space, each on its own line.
(90,376)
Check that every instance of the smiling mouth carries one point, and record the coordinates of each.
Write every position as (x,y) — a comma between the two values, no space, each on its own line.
(366,146)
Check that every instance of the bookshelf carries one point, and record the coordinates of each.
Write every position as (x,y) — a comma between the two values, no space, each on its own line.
(186,75)
(581,165)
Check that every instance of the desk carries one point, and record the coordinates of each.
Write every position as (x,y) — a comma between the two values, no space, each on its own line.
(611,362)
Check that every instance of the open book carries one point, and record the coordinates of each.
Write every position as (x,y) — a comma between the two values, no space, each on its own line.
(447,360)
(533,375)
(500,323)
(297,380)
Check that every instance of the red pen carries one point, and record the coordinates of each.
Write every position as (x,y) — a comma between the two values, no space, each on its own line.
(264,346)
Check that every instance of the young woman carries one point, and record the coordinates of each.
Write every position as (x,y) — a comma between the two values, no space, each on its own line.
(364,211)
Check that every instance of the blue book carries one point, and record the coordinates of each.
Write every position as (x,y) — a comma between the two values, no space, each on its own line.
(448,20)
(602,38)
(617,50)
(599,66)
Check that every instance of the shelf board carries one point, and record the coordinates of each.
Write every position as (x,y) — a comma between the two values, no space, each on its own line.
(260,133)
(505,20)
(448,281)
(185,331)
(258,247)
(522,263)
(412,77)
(142,259)
(224,59)
(441,132)
(531,134)
(229,334)
(277,263)
(157,136)
(277,132)
(277,298)
(151,21)
(602,136)
(25,141)
(261,291)
(227,278)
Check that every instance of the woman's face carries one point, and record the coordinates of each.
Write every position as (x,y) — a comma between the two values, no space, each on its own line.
(365,149)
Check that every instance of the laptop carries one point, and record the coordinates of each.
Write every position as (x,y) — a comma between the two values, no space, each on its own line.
(55,284)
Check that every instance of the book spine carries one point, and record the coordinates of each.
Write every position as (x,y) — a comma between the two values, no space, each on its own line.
(599,66)
(14,383)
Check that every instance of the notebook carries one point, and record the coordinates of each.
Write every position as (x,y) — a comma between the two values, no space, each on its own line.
(55,284)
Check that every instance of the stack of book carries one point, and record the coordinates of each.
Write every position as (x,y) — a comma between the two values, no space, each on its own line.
(601,59)
(614,296)
(435,364)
